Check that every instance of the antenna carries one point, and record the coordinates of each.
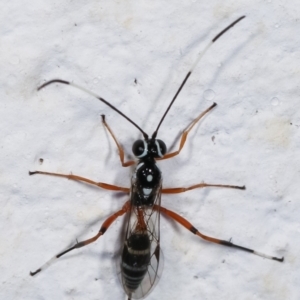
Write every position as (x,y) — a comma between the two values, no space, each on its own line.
(95,95)
(200,55)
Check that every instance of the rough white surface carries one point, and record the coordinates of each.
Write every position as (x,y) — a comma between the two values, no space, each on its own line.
(251,138)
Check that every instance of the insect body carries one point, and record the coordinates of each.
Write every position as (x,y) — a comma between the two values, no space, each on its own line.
(141,252)
(141,257)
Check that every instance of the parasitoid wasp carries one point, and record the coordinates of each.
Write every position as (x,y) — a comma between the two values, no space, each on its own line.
(140,263)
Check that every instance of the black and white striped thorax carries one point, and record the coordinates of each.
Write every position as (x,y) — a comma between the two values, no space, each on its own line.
(146,179)
(145,183)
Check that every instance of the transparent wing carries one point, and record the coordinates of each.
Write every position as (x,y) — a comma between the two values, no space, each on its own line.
(151,220)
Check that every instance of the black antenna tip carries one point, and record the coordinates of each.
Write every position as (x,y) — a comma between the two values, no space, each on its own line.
(35,272)
(52,81)
(278,259)
(227,28)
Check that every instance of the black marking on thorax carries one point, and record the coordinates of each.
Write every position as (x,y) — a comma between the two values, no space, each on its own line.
(146,183)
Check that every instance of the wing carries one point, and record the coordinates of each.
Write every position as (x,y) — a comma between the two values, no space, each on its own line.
(145,221)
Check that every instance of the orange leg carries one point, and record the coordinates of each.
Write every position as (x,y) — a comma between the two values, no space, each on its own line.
(186,132)
(121,151)
(102,230)
(199,186)
(194,230)
(79,178)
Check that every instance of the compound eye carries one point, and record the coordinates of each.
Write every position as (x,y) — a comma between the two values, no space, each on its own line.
(161,148)
(139,148)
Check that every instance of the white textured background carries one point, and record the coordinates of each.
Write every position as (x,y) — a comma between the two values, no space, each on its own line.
(252,73)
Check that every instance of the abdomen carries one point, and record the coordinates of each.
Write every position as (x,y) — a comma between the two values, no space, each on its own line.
(135,260)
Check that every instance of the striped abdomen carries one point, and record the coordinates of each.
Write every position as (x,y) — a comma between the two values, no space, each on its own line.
(135,260)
